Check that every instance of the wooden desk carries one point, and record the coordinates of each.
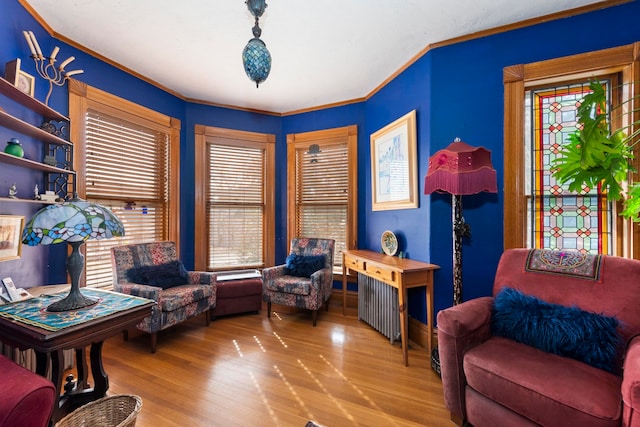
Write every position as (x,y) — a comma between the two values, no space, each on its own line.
(399,273)
(49,347)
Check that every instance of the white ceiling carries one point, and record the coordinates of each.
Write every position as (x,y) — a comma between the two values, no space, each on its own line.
(323,52)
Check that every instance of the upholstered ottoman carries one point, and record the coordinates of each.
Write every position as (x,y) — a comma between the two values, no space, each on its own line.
(238,296)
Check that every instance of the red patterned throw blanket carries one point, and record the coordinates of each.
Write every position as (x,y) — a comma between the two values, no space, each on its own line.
(569,263)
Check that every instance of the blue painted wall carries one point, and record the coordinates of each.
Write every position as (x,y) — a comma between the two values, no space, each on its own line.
(468,102)
(456,91)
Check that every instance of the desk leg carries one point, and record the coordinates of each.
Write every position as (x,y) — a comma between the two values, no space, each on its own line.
(41,363)
(57,371)
(404,321)
(429,293)
(344,289)
(81,366)
(100,377)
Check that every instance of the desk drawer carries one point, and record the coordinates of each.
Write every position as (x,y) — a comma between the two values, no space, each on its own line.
(380,273)
(354,263)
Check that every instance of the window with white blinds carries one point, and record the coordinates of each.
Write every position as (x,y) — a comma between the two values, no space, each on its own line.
(322,193)
(125,167)
(235,207)
(322,196)
(126,170)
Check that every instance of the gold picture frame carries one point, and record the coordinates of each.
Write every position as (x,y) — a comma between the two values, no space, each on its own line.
(394,168)
(23,81)
(10,237)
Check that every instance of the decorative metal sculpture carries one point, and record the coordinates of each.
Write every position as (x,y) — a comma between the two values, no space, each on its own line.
(46,66)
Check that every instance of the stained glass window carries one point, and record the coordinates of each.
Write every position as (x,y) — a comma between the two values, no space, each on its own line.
(558,218)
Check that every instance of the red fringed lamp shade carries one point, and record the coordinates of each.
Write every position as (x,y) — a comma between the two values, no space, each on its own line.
(460,169)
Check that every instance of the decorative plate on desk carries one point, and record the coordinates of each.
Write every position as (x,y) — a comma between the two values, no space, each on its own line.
(389,243)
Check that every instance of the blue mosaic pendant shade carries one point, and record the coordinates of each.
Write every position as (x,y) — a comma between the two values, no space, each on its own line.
(257,60)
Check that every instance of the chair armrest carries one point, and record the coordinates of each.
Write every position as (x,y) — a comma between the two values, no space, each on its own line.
(137,290)
(460,328)
(631,384)
(466,319)
(271,273)
(320,276)
(202,277)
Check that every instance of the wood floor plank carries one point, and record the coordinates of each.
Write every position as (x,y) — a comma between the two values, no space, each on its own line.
(249,370)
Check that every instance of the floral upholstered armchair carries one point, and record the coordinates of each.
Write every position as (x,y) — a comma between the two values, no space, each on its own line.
(153,271)
(306,280)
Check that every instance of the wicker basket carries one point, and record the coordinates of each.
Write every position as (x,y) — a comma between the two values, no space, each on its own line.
(119,410)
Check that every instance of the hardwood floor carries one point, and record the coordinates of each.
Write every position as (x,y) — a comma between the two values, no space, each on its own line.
(249,370)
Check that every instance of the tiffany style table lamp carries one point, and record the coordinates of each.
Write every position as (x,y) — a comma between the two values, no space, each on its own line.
(72,222)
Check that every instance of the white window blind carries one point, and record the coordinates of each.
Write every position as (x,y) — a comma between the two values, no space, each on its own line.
(126,171)
(235,205)
(322,193)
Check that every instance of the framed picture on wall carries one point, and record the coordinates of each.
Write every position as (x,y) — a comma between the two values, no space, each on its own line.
(23,81)
(10,233)
(394,174)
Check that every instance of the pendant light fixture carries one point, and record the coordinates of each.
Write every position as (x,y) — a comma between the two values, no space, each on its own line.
(255,56)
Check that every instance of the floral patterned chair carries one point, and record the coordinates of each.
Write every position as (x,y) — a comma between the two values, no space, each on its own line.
(305,281)
(153,271)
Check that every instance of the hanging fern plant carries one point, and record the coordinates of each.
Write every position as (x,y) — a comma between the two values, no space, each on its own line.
(593,155)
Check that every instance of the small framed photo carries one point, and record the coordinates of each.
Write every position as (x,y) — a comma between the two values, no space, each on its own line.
(23,81)
(10,234)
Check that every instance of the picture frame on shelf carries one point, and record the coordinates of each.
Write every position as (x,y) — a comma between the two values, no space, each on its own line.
(25,82)
(10,235)
(394,168)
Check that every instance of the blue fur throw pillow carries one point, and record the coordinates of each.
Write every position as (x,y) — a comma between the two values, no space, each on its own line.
(163,275)
(304,265)
(566,331)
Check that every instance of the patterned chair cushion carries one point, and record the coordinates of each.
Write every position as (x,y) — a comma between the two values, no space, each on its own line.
(290,285)
(180,296)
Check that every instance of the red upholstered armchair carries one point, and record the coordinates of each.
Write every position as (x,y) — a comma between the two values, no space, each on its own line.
(494,375)
(288,284)
(27,399)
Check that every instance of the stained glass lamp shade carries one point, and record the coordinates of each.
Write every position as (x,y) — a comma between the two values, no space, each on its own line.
(72,222)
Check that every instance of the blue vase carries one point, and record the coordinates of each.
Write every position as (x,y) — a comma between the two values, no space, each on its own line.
(14,148)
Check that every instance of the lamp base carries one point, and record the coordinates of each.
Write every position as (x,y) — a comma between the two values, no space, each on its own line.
(73,301)
(435,361)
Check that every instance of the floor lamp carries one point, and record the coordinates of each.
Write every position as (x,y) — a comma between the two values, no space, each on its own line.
(459,170)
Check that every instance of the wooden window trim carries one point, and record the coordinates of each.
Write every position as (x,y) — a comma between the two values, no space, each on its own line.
(201,229)
(519,78)
(82,98)
(350,133)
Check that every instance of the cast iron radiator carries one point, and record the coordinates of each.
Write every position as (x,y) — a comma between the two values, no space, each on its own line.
(378,306)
